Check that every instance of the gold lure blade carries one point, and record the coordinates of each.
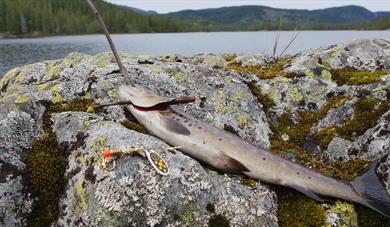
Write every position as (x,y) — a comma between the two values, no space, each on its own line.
(157,162)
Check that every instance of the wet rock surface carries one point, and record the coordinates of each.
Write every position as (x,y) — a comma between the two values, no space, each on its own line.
(308,110)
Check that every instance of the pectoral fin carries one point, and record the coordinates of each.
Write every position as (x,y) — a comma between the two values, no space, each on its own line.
(176,127)
(232,165)
(308,193)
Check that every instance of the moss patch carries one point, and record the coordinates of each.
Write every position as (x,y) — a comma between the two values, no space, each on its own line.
(366,115)
(46,164)
(368,217)
(353,77)
(218,221)
(263,98)
(229,57)
(266,71)
(134,126)
(295,209)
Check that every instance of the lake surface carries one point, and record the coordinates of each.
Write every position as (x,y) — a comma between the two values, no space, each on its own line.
(18,52)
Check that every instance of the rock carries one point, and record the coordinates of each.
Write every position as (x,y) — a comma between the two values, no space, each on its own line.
(375,142)
(138,195)
(252,60)
(305,115)
(338,150)
(361,54)
(18,130)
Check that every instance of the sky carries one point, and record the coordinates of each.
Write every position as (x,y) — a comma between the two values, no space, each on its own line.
(164,6)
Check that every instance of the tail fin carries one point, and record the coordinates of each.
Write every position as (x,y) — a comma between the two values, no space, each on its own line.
(370,188)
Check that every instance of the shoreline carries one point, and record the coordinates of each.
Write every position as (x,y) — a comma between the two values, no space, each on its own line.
(40,35)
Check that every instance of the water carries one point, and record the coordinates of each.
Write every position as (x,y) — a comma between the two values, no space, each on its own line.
(18,52)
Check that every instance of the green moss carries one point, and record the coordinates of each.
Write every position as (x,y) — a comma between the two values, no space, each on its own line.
(73,105)
(188,218)
(266,71)
(218,221)
(353,77)
(229,57)
(264,99)
(251,183)
(134,126)
(46,169)
(350,169)
(299,135)
(325,136)
(295,209)
(46,165)
(368,217)
(366,115)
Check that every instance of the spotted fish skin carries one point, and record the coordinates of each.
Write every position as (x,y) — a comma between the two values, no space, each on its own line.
(229,153)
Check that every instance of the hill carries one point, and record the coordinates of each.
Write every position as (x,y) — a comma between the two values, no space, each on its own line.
(262,17)
(44,17)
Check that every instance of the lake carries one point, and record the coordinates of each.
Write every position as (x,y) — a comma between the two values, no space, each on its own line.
(18,52)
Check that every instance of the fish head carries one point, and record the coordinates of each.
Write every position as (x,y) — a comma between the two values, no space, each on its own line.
(141,97)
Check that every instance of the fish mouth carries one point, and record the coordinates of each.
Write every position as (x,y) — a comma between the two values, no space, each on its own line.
(127,93)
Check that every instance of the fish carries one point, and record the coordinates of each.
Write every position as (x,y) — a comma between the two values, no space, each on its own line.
(229,153)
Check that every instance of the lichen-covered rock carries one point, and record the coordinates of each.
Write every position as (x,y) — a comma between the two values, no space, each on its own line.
(327,109)
(136,194)
(17,130)
(362,54)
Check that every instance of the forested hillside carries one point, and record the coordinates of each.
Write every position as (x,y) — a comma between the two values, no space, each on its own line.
(74,17)
(58,17)
(267,18)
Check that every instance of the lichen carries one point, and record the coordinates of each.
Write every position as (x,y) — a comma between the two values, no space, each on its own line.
(342,214)
(55,92)
(309,73)
(355,77)
(102,60)
(42,87)
(81,195)
(19,78)
(180,77)
(326,74)
(54,71)
(21,99)
(295,94)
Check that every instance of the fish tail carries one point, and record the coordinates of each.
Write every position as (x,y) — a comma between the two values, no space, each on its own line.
(371,190)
